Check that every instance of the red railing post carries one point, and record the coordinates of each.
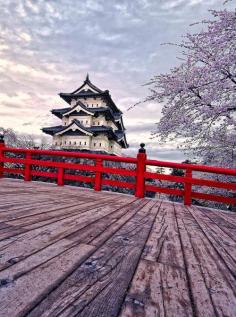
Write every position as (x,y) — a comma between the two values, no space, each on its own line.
(140,170)
(60,176)
(98,176)
(188,188)
(27,177)
(2,145)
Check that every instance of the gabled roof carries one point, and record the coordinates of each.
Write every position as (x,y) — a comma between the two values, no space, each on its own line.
(116,117)
(59,112)
(79,105)
(52,130)
(88,83)
(91,90)
(121,139)
(118,135)
(78,125)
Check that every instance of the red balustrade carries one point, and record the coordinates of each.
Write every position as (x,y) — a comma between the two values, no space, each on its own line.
(140,174)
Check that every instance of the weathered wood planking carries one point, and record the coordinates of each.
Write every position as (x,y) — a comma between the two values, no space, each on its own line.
(67,251)
(225,221)
(223,244)
(212,284)
(159,286)
(97,287)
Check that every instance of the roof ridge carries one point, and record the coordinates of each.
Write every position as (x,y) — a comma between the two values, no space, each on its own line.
(88,82)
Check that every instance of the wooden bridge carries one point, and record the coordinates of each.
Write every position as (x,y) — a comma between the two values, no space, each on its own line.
(67,251)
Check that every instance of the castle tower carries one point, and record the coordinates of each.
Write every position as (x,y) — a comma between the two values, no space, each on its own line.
(92,122)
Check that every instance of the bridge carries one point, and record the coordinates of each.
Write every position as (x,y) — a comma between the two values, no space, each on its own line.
(71,251)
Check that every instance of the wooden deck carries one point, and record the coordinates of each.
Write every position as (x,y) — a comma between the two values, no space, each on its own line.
(66,251)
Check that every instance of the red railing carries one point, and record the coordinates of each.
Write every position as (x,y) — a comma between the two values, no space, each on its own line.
(139,174)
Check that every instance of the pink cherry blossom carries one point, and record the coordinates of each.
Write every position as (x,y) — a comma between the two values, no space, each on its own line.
(199,96)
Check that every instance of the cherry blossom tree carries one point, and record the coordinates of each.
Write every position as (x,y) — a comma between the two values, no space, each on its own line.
(199,96)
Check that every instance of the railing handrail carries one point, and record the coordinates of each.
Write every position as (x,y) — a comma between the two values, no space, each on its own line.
(140,172)
(125,159)
(193,167)
(72,154)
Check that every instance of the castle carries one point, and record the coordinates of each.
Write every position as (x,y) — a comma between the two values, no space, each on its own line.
(91,122)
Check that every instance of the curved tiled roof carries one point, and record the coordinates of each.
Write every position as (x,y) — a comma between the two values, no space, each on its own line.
(110,112)
(118,135)
(87,82)
(114,116)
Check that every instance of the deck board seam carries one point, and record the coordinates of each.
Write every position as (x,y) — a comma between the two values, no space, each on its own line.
(96,247)
(140,256)
(65,237)
(84,211)
(214,248)
(138,209)
(55,209)
(190,293)
(222,227)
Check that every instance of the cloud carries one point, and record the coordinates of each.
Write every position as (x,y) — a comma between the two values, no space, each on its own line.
(47,47)
(25,36)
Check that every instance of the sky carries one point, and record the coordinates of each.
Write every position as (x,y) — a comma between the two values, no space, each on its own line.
(48,47)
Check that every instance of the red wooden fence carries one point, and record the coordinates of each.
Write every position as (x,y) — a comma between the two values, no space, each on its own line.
(140,173)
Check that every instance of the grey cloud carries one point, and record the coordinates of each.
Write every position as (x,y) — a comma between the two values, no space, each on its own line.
(157,153)
(140,128)
(12,105)
(27,123)
(4,114)
(118,43)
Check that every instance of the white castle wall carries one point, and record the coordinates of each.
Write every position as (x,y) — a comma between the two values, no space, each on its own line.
(91,102)
(98,143)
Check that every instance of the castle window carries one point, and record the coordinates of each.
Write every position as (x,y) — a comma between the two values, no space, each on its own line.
(55,143)
(70,142)
(98,123)
(74,143)
(111,146)
(100,144)
(65,142)
(94,144)
(80,143)
(84,143)
(65,123)
(86,121)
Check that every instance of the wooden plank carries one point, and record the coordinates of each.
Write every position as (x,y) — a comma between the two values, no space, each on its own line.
(163,244)
(157,290)
(224,220)
(221,242)
(98,232)
(18,296)
(16,230)
(32,209)
(188,261)
(19,266)
(43,212)
(160,285)
(98,286)
(27,243)
(140,207)
(212,285)
(84,235)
